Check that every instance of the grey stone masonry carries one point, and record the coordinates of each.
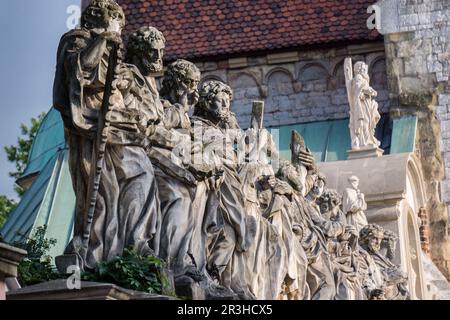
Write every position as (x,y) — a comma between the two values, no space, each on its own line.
(298,86)
(417,40)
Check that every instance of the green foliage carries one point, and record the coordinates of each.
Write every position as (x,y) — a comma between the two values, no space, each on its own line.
(132,271)
(6,206)
(18,154)
(37,266)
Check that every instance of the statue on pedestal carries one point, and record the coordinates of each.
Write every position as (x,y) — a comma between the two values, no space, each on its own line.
(354,204)
(364,114)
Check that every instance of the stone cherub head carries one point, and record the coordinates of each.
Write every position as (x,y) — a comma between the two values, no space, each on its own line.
(371,238)
(145,49)
(181,81)
(215,101)
(103,16)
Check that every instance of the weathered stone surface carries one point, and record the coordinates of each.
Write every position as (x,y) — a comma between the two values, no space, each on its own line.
(418,67)
(58,290)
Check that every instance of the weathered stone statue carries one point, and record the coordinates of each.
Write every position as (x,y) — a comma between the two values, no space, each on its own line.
(342,246)
(225,196)
(106,123)
(148,176)
(364,114)
(275,198)
(393,279)
(180,85)
(354,204)
(301,176)
(176,185)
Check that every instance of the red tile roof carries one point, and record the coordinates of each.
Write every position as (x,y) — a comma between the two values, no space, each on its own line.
(197,29)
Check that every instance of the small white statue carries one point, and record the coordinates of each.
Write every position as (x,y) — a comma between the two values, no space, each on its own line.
(364,114)
(354,204)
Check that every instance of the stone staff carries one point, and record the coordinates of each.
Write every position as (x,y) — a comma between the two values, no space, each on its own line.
(98,156)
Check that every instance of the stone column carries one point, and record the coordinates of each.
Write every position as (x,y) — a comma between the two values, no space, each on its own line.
(10,258)
(417,45)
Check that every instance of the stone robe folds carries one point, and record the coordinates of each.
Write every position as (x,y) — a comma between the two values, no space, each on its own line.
(364,113)
(127,208)
(265,263)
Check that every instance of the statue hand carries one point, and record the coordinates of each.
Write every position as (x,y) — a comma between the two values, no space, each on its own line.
(307,159)
(112,37)
(184,101)
(195,96)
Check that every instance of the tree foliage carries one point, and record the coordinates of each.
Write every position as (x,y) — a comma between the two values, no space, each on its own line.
(6,206)
(19,153)
(37,266)
(132,271)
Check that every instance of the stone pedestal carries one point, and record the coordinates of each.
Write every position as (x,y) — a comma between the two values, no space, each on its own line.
(370,152)
(59,290)
(10,258)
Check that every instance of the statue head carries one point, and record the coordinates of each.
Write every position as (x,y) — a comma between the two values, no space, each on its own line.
(215,100)
(103,16)
(371,237)
(390,243)
(328,201)
(180,77)
(288,173)
(354,182)
(145,49)
(362,69)
(319,186)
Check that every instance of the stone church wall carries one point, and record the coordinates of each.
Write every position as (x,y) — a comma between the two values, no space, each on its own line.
(417,53)
(298,86)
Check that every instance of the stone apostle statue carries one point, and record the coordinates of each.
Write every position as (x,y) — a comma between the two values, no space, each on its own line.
(354,204)
(364,114)
(106,126)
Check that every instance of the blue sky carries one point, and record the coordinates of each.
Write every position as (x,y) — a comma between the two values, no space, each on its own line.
(29,32)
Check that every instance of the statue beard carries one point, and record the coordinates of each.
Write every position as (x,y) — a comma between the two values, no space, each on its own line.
(151,66)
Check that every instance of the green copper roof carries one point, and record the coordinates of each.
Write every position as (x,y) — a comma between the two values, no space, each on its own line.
(49,201)
(49,139)
(327,140)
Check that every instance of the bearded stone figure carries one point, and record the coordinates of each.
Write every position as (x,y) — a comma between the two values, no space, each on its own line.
(364,115)
(106,126)
(391,280)
(234,230)
(176,184)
